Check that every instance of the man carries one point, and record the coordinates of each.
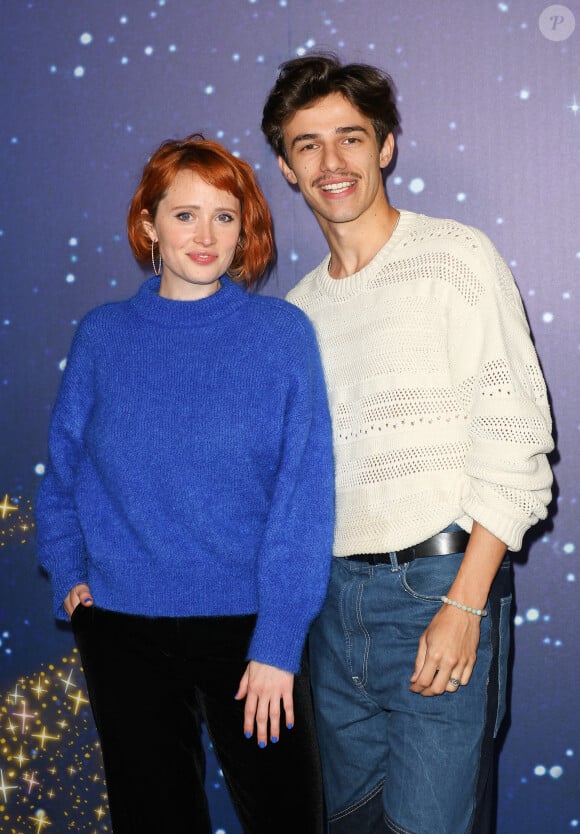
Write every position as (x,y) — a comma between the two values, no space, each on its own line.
(441,429)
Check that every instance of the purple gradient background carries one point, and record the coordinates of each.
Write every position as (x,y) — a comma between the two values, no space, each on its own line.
(490,135)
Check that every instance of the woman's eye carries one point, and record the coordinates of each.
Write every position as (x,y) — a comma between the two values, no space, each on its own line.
(225,218)
(184,216)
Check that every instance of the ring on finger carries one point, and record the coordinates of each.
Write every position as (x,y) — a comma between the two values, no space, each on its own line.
(454,682)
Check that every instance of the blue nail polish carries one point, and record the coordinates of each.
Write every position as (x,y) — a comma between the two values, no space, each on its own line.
(262,744)
(248,735)
(289,726)
(87,599)
(274,739)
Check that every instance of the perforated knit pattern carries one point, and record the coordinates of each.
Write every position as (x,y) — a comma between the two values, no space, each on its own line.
(422,267)
(393,464)
(391,410)
(438,403)
(518,430)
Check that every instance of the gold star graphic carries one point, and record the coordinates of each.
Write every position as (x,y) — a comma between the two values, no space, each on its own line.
(40,820)
(4,788)
(78,699)
(30,780)
(6,507)
(44,737)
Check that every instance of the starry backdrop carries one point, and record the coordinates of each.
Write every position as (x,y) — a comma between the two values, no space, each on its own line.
(490,99)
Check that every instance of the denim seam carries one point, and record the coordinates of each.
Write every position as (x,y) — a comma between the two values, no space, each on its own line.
(358,683)
(504,609)
(433,598)
(358,804)
(348,642)
(362,682)
(484,722)
(393,827)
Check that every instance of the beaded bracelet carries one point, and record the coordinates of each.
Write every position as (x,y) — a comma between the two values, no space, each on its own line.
(479,612)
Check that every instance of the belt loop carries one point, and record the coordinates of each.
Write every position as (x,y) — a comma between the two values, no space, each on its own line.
(394,562)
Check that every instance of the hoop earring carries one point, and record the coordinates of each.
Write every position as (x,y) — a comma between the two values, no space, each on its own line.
(156,267)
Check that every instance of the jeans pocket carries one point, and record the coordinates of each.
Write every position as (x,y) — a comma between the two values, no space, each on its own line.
(429,578)
(503,658)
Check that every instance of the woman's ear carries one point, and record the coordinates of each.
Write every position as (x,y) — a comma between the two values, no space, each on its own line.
(149,226)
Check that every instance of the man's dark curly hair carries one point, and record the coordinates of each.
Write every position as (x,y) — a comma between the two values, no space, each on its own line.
(303,81)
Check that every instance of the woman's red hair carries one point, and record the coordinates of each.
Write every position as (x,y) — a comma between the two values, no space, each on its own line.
(218,167)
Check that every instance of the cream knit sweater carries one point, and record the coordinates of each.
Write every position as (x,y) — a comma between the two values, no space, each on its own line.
(438,403)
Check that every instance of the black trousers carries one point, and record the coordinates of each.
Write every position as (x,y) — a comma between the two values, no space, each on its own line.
(151,683)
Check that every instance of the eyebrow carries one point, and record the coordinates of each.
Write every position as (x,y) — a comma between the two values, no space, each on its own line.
(340,131)
(232,209)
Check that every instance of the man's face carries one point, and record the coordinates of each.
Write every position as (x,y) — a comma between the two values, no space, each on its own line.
(334,159)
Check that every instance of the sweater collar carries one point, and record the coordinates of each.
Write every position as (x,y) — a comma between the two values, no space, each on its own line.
(169,313)
(358,281)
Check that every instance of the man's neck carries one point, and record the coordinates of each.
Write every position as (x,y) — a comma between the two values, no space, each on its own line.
(353,245)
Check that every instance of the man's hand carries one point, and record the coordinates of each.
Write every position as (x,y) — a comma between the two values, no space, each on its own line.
(447,651)
(448,646)
(264,687)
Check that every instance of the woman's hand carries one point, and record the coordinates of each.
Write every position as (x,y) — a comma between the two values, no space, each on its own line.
(264,687)
(80,594)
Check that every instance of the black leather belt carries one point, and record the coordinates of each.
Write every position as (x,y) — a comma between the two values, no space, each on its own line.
(442,544)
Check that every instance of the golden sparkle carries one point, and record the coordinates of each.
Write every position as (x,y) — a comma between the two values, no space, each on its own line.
(52,775)
(6,507)
(18,517)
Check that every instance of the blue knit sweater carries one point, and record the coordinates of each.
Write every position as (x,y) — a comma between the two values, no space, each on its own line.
(190,470)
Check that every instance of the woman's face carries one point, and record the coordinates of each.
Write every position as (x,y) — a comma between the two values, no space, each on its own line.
(197,227)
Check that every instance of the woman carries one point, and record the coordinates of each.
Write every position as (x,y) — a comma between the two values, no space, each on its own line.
(186,514)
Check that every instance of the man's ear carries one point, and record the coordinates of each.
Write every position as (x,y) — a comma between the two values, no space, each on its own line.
(148,226)
(287,172)
(387,151)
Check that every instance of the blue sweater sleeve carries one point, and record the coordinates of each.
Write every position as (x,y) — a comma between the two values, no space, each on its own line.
(60,542)
(296,550)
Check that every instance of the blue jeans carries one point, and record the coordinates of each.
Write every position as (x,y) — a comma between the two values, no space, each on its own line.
(393,760)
